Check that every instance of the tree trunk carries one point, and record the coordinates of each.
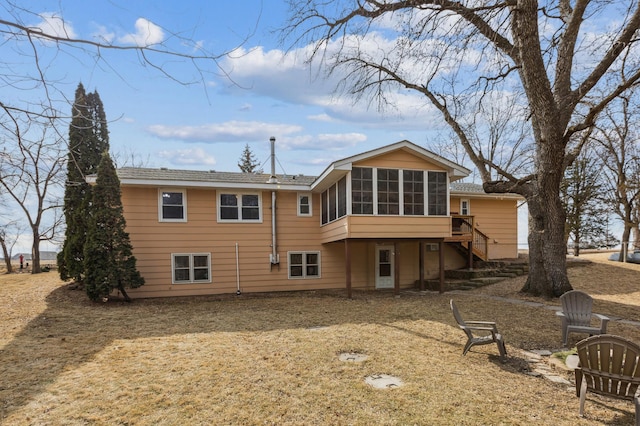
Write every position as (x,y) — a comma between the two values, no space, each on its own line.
(624,247)
(7,257)
(35,255)
(547,250)
(124,293)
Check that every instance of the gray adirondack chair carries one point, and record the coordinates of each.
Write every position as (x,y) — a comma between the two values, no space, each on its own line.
(576,315)
(610,366)
(479,333)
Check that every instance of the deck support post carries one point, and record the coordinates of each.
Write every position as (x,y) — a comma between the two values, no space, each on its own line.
(347,262)
(396,269)
(421,264)
(441,262)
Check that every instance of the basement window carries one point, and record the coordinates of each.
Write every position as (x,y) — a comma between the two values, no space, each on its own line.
(304,264)
(191,268)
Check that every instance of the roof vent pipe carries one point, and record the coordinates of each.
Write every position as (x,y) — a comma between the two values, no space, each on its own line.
(273,178)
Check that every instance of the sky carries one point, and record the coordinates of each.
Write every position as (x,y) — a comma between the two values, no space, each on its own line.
(243,98)
(206,125)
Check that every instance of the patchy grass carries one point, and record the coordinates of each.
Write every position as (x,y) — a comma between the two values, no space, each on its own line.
(274,359)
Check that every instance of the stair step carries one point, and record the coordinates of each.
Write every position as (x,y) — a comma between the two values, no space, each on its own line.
(487,280)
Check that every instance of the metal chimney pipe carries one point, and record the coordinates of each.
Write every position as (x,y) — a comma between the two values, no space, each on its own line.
(273,179)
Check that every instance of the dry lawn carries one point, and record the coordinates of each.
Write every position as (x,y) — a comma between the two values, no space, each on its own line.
(273,359)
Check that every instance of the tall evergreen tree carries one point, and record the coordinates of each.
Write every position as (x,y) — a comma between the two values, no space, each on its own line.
(88,139)
(108,255)
(248,162)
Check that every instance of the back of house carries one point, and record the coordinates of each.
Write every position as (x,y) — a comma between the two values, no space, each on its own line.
(389,218)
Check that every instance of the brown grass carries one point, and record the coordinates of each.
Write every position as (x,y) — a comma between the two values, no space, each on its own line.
(273,359)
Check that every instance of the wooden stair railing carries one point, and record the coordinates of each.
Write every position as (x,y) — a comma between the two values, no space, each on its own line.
(480,241)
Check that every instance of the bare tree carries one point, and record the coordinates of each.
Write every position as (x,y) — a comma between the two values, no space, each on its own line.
(583,197)
(41,40)
(456,53)
(31,173)
(9,234)
(617,136)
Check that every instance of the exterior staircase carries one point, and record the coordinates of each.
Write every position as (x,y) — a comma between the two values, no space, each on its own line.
(483,273)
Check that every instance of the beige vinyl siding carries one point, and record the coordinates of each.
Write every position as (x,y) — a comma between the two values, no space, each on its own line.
(498,220)
(155,241)
(399,160)
(370,226)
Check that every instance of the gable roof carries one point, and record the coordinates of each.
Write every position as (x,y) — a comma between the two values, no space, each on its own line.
(339,168)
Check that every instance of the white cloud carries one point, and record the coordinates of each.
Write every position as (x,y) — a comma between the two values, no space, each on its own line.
(102,34)
(320,117)
(322,142)
(188,157)
(147,34)
(288,78)
(230,131)
(53,24)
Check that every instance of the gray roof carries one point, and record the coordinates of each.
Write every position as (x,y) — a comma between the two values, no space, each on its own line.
(467,187)
(211,176)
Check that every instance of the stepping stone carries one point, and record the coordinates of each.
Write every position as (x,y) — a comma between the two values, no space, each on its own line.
(572,361)
(353,357)
(557,379)
(383,381)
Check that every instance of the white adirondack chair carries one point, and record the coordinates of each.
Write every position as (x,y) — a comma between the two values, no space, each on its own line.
(576,315)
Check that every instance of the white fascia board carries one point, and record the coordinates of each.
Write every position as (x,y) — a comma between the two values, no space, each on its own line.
(492,195)
(214,185)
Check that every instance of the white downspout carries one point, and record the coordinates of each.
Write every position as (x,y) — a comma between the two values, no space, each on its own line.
(238,292)
(274,257)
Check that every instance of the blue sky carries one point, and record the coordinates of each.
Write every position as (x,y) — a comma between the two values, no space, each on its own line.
(206,126)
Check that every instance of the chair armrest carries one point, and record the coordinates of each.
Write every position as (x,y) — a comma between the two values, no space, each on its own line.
(482,325)
(604,320)
(560,314)
(492,330)
(486,323)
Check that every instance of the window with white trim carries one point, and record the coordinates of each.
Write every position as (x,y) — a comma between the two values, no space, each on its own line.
(334,201)
(304,264)
(464,208)
(172,205)
(437,193)
(388,192)
(362,190)
(191,268)
(413,192)
(304,204)
(239,207)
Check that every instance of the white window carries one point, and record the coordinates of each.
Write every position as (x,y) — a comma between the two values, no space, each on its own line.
(432,246)
(464,208)
(304,205)
(304,264)
(191,268)
(172,205)
(239,207)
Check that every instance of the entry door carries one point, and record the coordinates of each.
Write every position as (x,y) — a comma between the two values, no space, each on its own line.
(384,267)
